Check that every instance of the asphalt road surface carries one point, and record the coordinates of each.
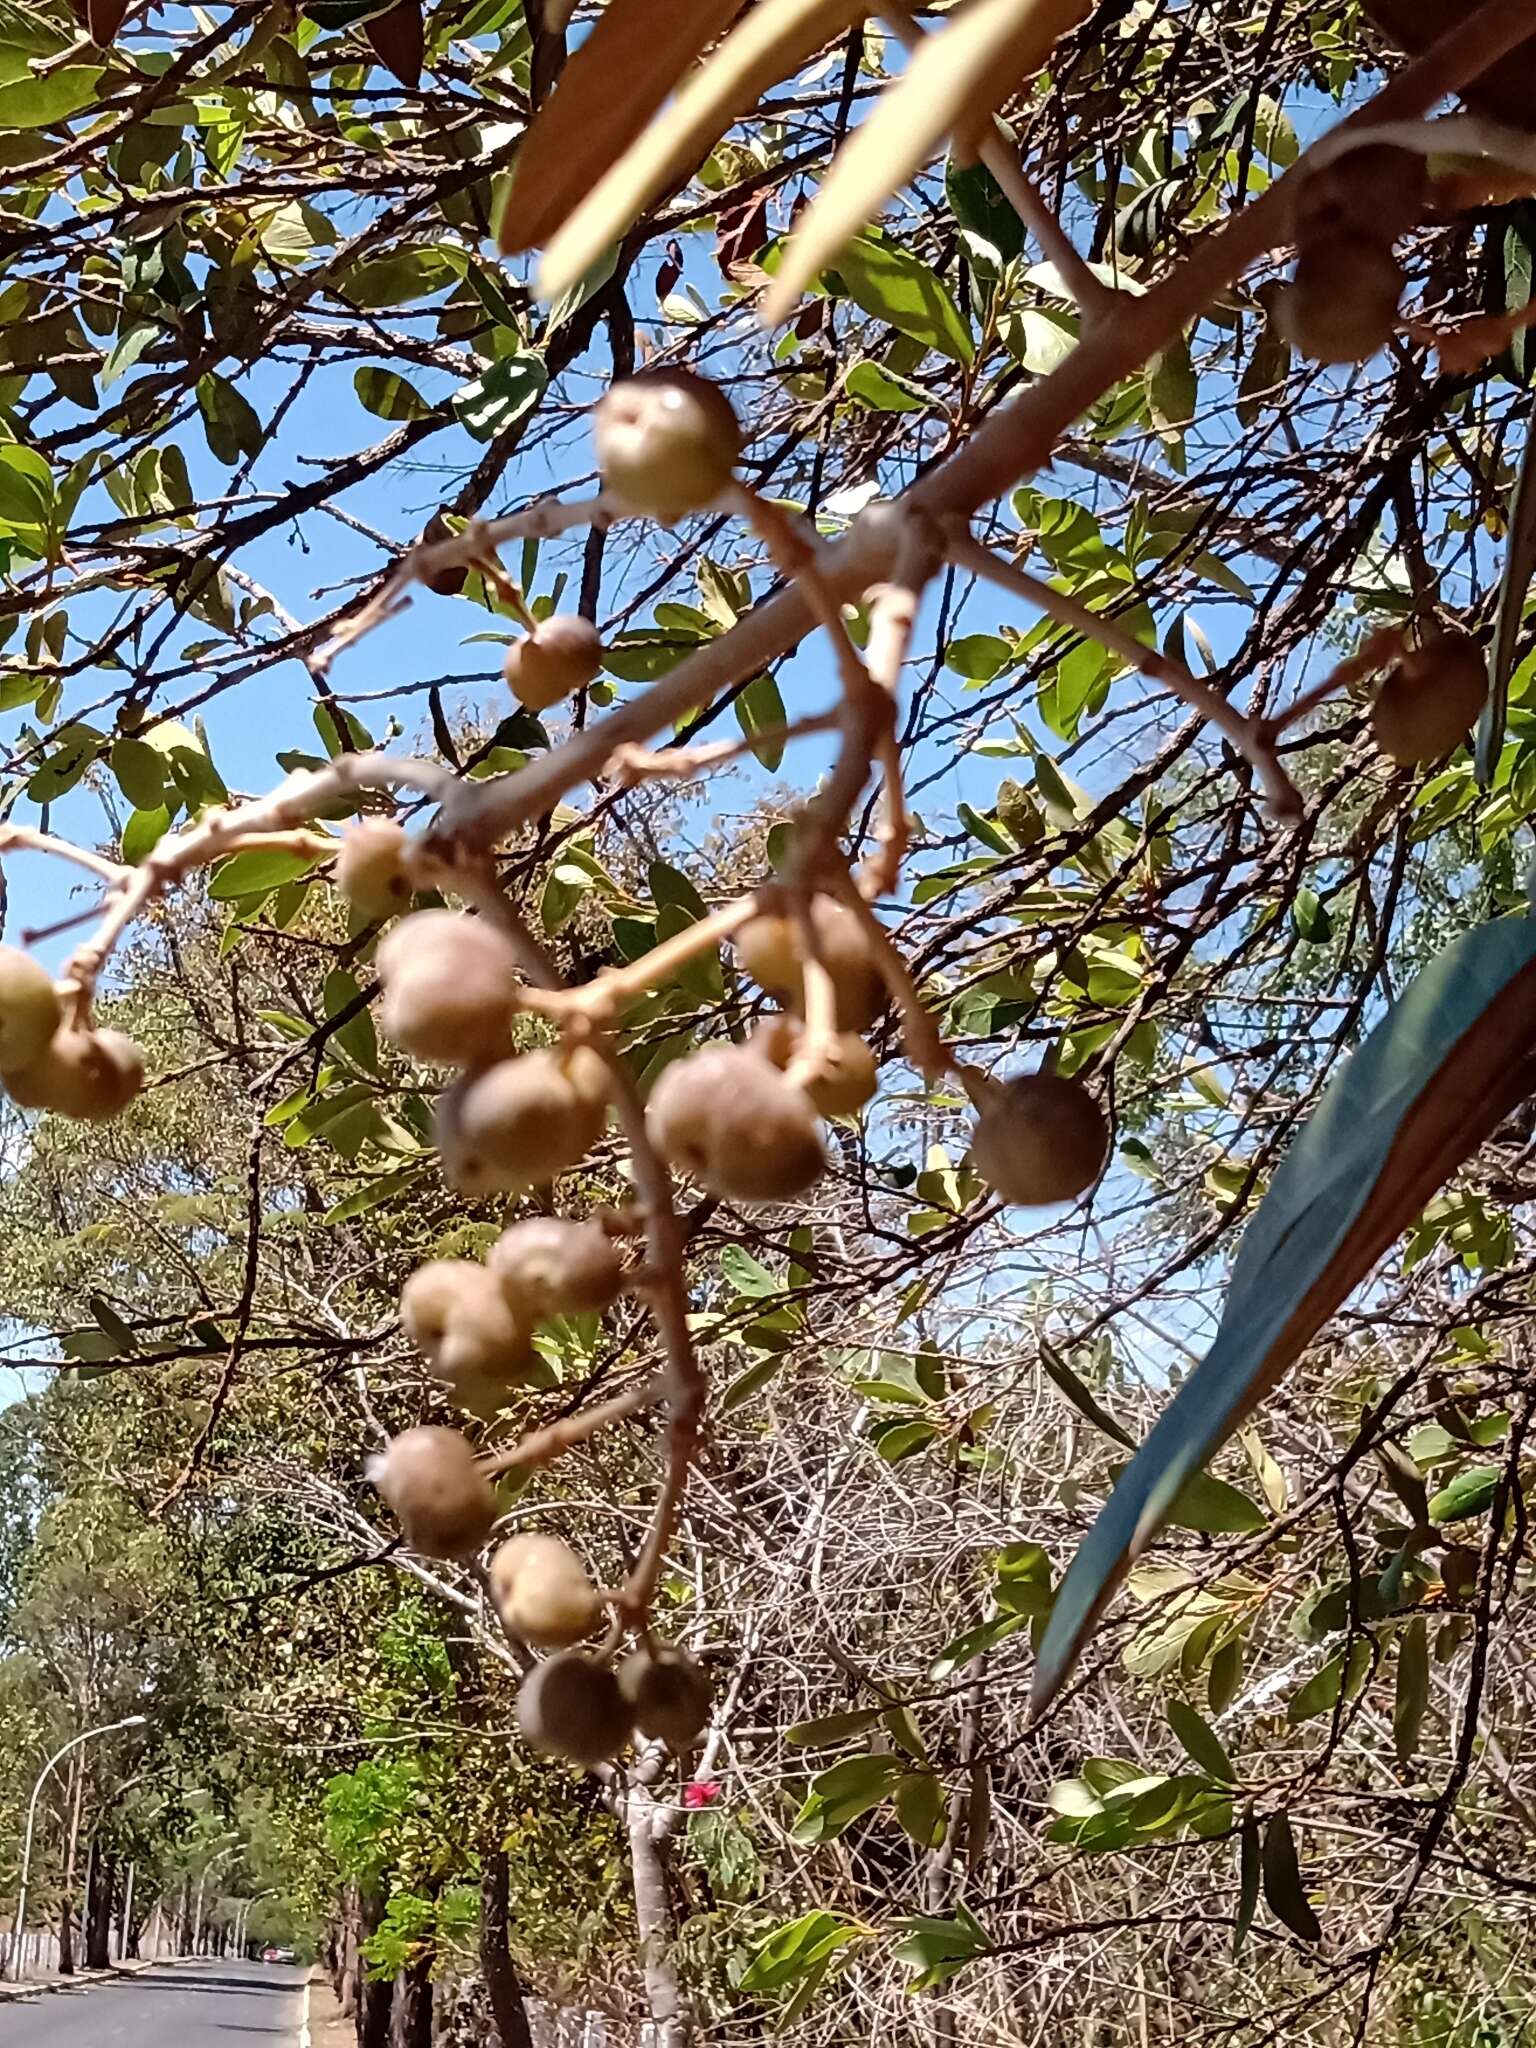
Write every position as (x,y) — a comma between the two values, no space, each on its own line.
(196,2005)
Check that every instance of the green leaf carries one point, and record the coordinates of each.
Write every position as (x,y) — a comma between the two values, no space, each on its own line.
(143,832)
(1083,1400)
(760,709)
(939,1947)
(231,425)
(503,398)
(1200,1741)
(839,1795)
(1469,1493)
(920,1808)
(831,1728)
(891,285)
(255,872)
(978,656)
(75,748)
(792,1951)
(1323,1690)
(1446,1063)
(1023,1584)
(26,486)
(1224,1676)
(896,1441)
(372,1195)
(1215,1508)
(974,1643)
(356,1037)
(1283,1892)
(40,102)
(982,208)
(388,395)
(752,1381)
(1412,1690)
(1514,587)
(883,391)
(140,772)
(747,1275)
(396,280)
(1311,918)
(1248,1860)
(126,351)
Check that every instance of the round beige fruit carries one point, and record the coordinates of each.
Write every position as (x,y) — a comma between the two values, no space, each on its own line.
(450,988)
(30,1010)
(1341,304)
(668,1695)
(571,1706)
(458,1318)
(1039,1138)
(370,869)
(90,1075)
(667,442)
(542,1592)
(559,657)
(548,1266)
(518,1124)
(1431,700)
(771,952)
(438,1490)
(730,1119)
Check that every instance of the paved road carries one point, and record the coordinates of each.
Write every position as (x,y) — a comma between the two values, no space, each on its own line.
(196,2005)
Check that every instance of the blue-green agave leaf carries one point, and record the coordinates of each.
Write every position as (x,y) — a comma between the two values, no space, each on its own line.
(1441,1070)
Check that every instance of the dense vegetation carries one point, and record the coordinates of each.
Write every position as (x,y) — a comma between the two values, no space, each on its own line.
(1043,803)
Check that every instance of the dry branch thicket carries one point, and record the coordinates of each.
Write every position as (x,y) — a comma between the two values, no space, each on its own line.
(1072,660)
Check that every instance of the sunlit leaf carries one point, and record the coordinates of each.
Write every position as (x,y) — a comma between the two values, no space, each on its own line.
(955,79)
(610,87)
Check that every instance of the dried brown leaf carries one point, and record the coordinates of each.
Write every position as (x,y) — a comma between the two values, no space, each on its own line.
(104,18)
(609,89)
(773,41)
(399,40)
(956,79)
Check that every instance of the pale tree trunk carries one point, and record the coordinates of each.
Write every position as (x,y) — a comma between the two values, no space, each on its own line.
(345,1981)
(67,1893)
(648,1826)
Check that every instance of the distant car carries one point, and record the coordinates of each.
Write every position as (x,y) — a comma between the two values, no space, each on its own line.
(277,1955)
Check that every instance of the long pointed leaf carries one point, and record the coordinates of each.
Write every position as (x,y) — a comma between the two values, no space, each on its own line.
(1445,1065)
(609,89)
(1519,568)
(956,78)
(1284,1893)
(769,44)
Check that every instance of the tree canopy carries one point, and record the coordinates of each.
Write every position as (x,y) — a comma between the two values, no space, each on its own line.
(766,811)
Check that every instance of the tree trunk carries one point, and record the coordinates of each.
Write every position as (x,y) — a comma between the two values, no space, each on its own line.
(100,1885)
(653,1917)
(375,1995)
(66,1896)
(503,1986)
(413,2005)
(184,1929)
(347,1965)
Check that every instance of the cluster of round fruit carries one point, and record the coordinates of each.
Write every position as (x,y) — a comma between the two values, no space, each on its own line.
(573,1703)
(513,1121)
(46,1063)
(1342,302)
(474,1324)
(667,443)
